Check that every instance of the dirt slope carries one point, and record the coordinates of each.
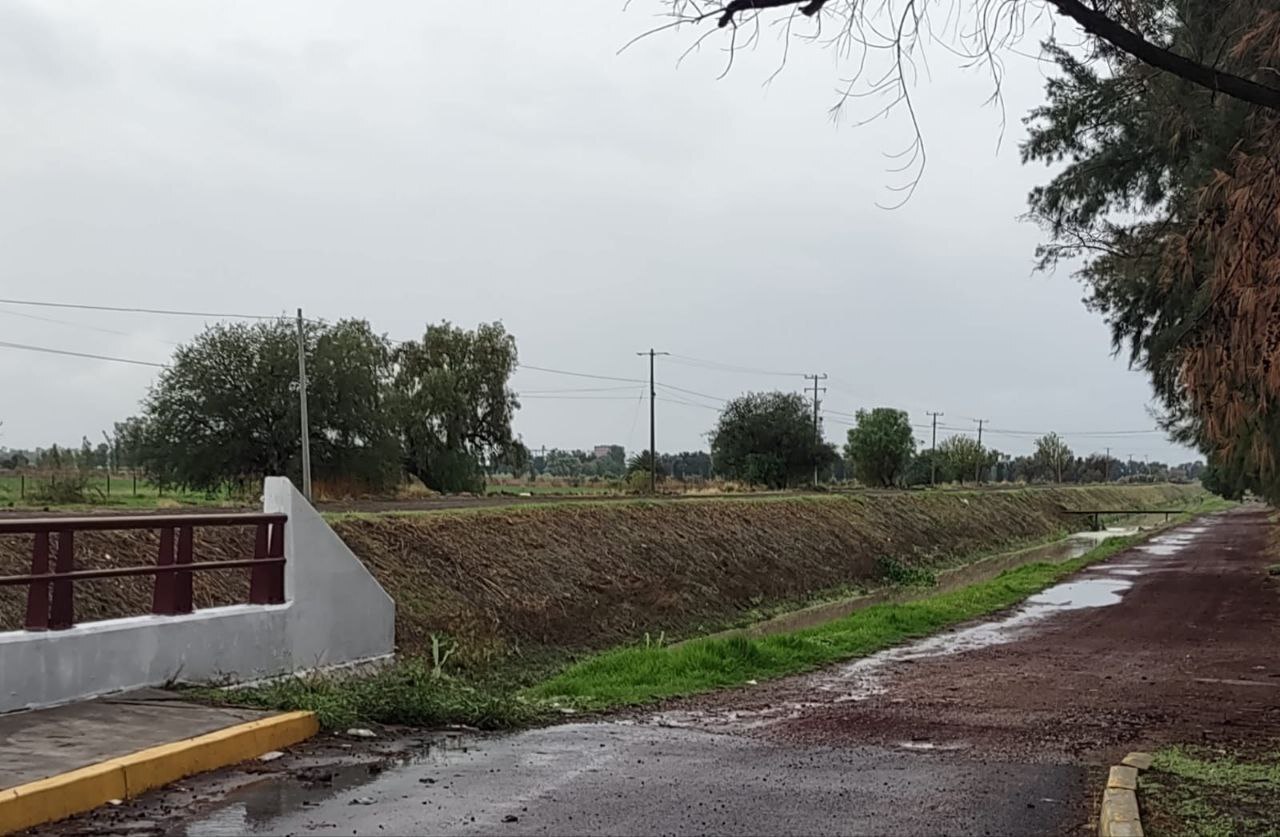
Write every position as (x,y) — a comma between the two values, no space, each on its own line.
(587,575)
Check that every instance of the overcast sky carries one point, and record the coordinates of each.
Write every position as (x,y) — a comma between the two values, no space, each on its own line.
(408,162)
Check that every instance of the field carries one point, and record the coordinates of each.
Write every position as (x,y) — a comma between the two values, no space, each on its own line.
(121,490)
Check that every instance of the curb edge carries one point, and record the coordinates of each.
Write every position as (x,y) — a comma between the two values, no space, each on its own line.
(76,791)
(1119,815)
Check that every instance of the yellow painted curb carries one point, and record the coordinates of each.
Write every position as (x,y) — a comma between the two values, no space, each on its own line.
(76,791)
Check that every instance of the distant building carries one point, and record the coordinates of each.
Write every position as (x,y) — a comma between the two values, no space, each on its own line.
(602,451)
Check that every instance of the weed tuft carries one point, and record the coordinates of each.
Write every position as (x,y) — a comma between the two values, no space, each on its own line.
(893,571)
(413,692)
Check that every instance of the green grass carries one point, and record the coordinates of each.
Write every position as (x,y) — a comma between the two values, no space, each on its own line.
(118,492)
(407,692)
(643,674)
(1211,793)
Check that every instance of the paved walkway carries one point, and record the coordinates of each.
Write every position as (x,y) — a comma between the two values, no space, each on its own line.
(46,742)
(997,728)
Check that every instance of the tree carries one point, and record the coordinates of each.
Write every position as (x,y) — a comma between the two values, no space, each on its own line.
(454,405)
(1168,198)
(927,466)
(1052,454)
(768,439)
(963,456)
(640,463)
(880,446)
(886,41)
(226,409)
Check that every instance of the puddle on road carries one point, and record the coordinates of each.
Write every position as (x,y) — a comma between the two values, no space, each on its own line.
(933,746)
(1102,585)
(254,807)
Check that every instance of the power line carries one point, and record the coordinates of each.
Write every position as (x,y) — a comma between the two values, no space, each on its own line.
(90,355)
(694,392)
(161,311)
(574,389)
(80,325)
(574,397)
(582,374)
(685,360)
(666,400)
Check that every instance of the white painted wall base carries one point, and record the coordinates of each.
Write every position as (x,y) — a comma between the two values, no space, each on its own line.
(335,613)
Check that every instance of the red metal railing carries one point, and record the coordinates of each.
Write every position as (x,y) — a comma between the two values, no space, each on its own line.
(50,594)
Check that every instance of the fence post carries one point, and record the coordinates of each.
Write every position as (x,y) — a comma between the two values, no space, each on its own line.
(22,486)
(63,614)
(135,483)
(162,594)
(38,591)
(259,579)
(275,549)
(182,599)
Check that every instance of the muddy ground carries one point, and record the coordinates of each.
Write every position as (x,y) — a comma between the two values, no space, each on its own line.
(1000,727)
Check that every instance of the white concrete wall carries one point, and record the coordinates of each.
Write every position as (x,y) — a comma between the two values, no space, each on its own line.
(335,613)
(342,613)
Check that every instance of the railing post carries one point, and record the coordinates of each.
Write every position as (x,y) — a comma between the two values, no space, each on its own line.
(162,597)
(63,614)
(182,600)
(275,549)
(38,591)
(259,576)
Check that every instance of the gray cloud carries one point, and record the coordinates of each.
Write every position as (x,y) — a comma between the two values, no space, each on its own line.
(411,162)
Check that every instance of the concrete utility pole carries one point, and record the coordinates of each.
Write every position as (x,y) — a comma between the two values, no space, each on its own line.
(977,468)
(653,452)
(817,434)
(302,410)
(933,451)
(1106,467)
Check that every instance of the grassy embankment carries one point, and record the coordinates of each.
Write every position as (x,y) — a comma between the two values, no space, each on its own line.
(1211,793)
(418,692)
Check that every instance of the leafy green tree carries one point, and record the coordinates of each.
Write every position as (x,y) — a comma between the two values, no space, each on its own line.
(963,455)
(454,405)
(1053,455)
(614,463)
(880,446)
(768,439)
(927,466)
(226,409)
(1165,202)
(640,463)
(686,464)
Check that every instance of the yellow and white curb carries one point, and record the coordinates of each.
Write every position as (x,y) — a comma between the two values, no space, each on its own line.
(61,796)
(1119,816)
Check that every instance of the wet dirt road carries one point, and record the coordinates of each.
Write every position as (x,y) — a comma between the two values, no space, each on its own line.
(991,729)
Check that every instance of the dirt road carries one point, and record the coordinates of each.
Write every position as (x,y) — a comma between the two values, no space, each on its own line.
(991,729)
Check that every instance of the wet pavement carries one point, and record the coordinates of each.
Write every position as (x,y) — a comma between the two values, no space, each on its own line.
(994,728)
(632,779)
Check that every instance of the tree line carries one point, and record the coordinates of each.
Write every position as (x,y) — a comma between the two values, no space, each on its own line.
(226,411)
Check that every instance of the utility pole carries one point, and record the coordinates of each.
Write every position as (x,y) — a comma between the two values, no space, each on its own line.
(653,452)
(817,434)
(977,468)
(302,410)
(933,450)
(1106,467)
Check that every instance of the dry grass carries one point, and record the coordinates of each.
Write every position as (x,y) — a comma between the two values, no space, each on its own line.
(585,576)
